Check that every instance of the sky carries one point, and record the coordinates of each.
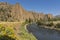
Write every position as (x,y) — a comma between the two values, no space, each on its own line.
(45,6)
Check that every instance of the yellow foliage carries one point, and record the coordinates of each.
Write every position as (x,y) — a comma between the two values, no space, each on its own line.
(7,31)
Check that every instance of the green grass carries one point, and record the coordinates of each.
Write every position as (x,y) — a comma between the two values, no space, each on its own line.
(24,35)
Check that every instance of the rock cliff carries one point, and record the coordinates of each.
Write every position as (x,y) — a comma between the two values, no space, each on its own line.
(10,12)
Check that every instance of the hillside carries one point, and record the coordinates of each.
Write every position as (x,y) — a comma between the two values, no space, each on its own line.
(15,12)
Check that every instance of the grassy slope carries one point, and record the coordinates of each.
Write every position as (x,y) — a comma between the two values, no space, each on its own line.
(20,31)
(25,35)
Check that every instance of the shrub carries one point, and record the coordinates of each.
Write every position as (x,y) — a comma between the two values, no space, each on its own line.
(50,24)
(57,25)
(39,22)
(6,33)
(6,37)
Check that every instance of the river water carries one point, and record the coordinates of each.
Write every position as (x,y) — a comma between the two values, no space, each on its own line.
(43,33)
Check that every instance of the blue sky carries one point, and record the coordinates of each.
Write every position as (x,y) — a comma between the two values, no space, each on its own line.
(45,6)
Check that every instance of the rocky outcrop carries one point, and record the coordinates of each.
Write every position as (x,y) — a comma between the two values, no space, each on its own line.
(9,12)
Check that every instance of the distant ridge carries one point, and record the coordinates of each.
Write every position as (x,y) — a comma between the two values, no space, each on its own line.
(57,16)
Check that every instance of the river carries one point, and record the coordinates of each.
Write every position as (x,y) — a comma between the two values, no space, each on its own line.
(43,33)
